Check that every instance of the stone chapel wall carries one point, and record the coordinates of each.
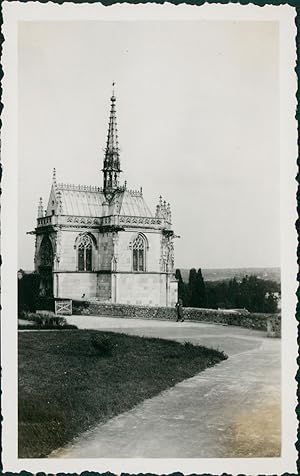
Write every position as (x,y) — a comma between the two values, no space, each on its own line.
(74,285)
(141,289)
(68,282)
(125,251)
(105,251)
(68,255)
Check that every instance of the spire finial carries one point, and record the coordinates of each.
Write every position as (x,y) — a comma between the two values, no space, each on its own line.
(54,176)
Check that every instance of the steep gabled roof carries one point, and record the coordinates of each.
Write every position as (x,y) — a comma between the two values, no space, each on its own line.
(78,200)
(129,203)
(82,202)
(89,201)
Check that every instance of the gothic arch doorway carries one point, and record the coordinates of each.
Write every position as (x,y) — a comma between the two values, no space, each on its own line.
(46,267)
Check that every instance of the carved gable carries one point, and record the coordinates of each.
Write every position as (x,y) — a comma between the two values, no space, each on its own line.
(52,203)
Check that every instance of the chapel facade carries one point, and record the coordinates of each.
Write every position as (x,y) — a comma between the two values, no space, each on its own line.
(104,243)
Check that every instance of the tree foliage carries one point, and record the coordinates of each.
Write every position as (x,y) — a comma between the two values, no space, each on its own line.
(251,293)
(28,290)
(182,288)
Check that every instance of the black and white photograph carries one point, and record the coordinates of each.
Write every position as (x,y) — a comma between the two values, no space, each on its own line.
(149,245)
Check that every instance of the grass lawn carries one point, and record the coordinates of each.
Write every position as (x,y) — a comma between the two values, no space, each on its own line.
(66,386)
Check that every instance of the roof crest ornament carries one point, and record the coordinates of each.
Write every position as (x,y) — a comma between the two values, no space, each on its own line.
(79,188)
(135,193)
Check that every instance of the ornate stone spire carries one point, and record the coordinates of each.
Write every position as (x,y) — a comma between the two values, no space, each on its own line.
(111,164)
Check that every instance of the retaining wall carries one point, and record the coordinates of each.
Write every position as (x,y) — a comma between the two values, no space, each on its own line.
(258,321)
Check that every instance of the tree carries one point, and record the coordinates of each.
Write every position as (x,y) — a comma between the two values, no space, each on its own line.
(271,303)
(193,289)
(28,290)
(202,299)
(182,288)
(197,291)
(234,293)
(211,296)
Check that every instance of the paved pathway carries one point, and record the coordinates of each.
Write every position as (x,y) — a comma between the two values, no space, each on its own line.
(230,410)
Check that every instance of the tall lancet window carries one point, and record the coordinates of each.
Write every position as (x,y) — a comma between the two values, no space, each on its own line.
(85,248)
(139,254)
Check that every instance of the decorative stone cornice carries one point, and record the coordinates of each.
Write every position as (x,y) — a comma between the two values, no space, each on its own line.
(129,220)
(106,222)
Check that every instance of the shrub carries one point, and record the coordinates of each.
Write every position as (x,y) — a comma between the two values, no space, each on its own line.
(28,290)
(102,345)
(46,320)
(50,320)
(23,315)
(189,347)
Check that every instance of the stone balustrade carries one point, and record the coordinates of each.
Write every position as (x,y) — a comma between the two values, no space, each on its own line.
(49,220)
(111,220)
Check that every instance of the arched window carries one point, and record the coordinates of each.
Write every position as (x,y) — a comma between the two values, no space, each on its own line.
(84,249)
(139,253)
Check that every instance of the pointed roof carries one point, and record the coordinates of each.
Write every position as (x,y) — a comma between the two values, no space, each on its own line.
(88,201)
(130,203)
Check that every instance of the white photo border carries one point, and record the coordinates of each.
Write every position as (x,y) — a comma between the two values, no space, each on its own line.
(13,12)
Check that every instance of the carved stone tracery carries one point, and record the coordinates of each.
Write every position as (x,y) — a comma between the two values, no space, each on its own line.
(167,253)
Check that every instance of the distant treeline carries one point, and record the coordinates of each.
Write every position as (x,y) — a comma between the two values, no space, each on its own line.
(251,293)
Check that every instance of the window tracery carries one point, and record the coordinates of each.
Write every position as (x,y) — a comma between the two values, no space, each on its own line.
(139,253)
(84,250)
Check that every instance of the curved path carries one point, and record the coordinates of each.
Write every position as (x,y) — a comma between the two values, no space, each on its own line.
(230,410)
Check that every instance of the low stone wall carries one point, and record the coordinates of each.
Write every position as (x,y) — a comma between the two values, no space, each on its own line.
(256,321)
(274,325)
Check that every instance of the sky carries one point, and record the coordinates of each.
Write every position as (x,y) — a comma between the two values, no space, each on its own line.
(198,123)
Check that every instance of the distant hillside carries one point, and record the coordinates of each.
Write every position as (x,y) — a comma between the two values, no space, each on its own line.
(224,274)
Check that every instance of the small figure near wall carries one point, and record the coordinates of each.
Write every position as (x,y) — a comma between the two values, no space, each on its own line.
(178,306)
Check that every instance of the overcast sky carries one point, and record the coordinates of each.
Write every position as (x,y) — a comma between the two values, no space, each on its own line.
(198,121)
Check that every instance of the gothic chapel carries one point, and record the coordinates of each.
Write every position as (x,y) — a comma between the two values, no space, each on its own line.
(104,243)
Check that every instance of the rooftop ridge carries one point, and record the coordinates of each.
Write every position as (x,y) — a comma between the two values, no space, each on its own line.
(79,188)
